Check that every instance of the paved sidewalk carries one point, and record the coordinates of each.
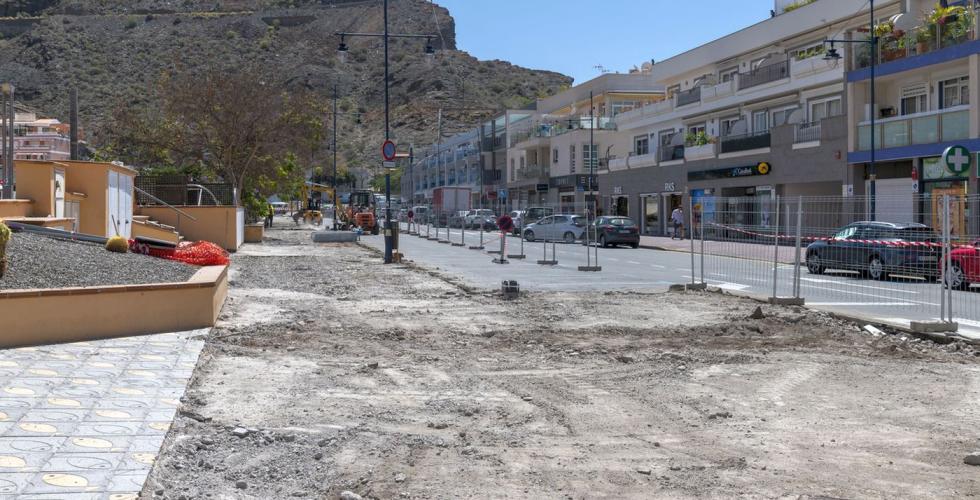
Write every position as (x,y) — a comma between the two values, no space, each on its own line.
(758,251)
(85,421)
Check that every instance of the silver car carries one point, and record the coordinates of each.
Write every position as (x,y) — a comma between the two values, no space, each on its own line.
(567,228)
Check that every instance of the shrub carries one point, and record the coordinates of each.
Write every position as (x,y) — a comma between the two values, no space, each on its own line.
(117,244)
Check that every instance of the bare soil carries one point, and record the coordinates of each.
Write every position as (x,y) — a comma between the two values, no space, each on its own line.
(390,382)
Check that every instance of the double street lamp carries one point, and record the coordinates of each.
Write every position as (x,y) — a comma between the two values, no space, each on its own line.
(833,55)
(342,51)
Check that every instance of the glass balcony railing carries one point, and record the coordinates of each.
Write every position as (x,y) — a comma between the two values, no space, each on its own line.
(924,128)
(765,74)
(755,140)
(921,40)
(689,96)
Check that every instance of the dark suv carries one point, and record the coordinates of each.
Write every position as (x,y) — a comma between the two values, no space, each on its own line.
(877,250)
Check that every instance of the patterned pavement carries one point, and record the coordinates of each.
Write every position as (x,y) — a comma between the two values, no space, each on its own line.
(85,421)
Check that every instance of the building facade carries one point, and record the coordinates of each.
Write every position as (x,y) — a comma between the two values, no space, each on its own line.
(926,94)
(754,115)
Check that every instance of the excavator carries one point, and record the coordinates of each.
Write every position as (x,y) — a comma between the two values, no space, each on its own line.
(362,212)
(311,196)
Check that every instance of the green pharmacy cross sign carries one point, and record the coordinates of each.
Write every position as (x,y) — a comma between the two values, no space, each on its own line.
(957,160)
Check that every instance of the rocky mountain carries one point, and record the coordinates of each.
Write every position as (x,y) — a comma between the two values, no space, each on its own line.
(116,51)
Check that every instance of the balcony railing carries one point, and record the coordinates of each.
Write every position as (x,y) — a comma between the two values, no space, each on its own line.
(755,140)
(928,38)
(670,153)
(807,132)
(533,172)
(765,74)
(690,96)
(923,128)
(583,123)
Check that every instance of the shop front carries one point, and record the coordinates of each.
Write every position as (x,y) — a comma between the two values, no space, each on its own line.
(937,183)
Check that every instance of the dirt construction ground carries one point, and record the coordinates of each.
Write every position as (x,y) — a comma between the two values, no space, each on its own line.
(330,373)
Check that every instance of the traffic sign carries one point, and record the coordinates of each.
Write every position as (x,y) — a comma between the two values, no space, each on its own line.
(505,223)
(957,160)
(388,164)
(388,151)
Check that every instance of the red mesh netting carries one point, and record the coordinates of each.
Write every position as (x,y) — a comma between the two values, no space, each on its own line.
(200,253)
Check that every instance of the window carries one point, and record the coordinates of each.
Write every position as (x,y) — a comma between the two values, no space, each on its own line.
(915,99)
(727,125)
(728,75)
(641,145)
(590,156)
(700,128)
(808,51)
(554,155)
(954,92)
(846,233)
(571,158)
(523,162)
(781,117)
(760,121)
(824,109)
(512,170)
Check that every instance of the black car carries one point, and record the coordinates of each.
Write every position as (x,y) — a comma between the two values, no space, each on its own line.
(878,250)
(614,230)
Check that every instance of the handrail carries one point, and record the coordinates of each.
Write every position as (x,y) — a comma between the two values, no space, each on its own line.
(175,209)
(213,197)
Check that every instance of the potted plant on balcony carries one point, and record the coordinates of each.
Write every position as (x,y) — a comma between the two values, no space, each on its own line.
(889,41)
(954,24)
(923,38)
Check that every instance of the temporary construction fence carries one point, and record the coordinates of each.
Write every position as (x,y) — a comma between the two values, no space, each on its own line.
(479,229)
(831,252)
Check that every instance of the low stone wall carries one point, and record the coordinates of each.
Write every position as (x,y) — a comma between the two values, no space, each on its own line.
(37,317)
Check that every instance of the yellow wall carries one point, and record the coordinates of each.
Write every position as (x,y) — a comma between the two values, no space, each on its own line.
(15,208)
(35,181)
(215,224)
(88,178)
(73,314)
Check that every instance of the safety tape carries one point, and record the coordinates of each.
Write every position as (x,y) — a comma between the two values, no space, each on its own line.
(888,243)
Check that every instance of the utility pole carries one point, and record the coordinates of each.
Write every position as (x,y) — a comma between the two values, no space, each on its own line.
(8,139)
(336,209)
(73,123)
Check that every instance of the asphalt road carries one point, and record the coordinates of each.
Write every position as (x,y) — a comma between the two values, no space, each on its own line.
(895,301)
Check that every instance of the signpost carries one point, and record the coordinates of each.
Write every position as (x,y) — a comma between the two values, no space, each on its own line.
(506,225)
(388,151)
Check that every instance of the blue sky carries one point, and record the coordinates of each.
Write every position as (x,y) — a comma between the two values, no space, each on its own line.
(553,34)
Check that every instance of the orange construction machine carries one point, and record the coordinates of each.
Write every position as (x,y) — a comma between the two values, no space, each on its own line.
(362,211)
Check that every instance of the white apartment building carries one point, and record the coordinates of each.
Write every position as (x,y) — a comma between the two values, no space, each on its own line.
(553,154)
(755,114)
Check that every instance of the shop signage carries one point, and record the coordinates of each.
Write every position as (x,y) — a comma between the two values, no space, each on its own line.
(542,188)
(617,189)
(934,169)
(957,160)
(762,168)
(670,186)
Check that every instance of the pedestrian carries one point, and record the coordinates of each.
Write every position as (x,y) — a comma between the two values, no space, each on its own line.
(677,219)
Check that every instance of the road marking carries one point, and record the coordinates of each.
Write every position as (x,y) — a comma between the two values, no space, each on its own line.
(902,304)
(815,280)
(632,262)
(658,266)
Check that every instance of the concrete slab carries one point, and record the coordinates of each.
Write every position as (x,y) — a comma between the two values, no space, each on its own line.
(334,237)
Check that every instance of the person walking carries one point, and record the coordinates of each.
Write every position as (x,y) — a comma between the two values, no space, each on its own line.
(677,219)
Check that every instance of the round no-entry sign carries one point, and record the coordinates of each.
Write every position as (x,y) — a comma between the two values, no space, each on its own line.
(388,151)
(957,160)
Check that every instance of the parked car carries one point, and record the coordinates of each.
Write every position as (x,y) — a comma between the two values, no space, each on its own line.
(481,218)
(534,214)
(878,250)
(518,217)
(613,230)
(420,214)
(458,219)
(964,267)
(568,228)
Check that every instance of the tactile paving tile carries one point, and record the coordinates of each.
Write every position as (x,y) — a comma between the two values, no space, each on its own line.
(86,420)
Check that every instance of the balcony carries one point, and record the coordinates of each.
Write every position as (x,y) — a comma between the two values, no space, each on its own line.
(715,92)
(583,123)
(747,142)
(533,172)
(671,153)
(765,74)
(689,96)
(922,40)
(807,132)
(931,127)
(700,152)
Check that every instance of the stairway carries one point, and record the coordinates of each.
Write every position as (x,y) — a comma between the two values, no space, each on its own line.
(151,231)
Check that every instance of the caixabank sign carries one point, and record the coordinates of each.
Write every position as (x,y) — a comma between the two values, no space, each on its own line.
(761,168)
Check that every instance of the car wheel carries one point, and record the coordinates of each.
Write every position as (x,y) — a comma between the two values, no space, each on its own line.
(956,278)
(529,235)
(569,237)
(876,269)
(602,241)
(634,245)
(813,265)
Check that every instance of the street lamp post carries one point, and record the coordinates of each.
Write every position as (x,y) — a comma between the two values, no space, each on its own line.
(833,55)
(342,50)
(335,206)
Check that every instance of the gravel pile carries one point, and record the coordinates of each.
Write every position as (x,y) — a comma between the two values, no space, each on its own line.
(41,262)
